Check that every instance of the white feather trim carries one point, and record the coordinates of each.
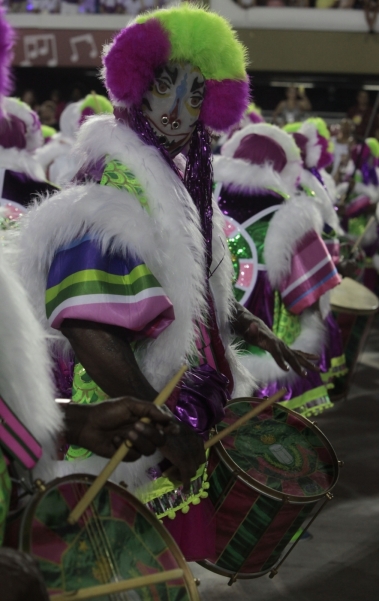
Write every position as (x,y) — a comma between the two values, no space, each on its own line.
(22,161)
(330,185)
(313,148)
(169,241)
(287,227)
(245,176)
(291,171)
(310,340)
(25,382)
(33,134)
(322,200)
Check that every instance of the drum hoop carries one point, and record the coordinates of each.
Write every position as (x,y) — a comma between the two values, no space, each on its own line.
(25,527)
(367,312)
(262,488)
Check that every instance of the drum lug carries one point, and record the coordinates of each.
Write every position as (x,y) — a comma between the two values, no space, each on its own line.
(341,463)
(197,581)
(40,485)
(233,579)
(273,573)
(123,484)
(329,496)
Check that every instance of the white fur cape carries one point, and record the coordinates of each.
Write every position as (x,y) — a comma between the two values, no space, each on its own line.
(22,161)
(168,240)
(288,226)
(291,171)
(25,382)
(245,177)
(322,200)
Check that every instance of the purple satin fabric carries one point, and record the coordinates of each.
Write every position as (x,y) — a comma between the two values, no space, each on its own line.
(317,175)
(12,132)
(369,175)
(63,374)
(202,399)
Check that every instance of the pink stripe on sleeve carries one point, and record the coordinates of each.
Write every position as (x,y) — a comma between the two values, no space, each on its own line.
(156,313)
(19,429)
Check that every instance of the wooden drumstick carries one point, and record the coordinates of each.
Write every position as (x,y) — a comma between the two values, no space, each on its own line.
(118,587)
(240,422)
(245,418)
(120,454)
(360,238)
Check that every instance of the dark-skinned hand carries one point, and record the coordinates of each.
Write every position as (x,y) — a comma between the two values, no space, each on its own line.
(260,335)
(254,331)
(186,453)
(103,427)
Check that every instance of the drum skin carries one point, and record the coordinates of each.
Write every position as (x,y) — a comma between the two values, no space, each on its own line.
(76,556)
(265,480)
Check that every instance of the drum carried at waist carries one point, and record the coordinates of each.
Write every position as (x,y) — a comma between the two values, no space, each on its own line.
(266,480)
(354,307)
(116,539)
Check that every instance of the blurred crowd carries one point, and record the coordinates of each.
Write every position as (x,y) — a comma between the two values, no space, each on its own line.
(67,7)
(133,7)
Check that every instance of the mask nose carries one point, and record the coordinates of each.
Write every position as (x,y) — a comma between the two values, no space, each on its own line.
(171,120)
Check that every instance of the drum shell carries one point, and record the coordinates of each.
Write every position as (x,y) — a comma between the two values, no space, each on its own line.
(45,540)
(253,529)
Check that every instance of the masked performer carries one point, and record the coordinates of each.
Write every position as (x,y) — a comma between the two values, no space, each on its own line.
(282,265)
(312,140)
(132,272)
(361,195)
(27,399)
(56,157)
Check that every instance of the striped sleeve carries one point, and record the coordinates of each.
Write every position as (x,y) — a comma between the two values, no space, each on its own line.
(84,283)
(312,274)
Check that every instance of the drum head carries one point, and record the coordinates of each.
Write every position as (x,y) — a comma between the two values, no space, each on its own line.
(119,539)
(352,297)
(279,453)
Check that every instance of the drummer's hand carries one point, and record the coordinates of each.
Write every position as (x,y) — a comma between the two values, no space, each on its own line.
(260,335)
(186,452)
(103,427)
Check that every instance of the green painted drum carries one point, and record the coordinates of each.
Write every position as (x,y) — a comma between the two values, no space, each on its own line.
(266,478)
(117,538)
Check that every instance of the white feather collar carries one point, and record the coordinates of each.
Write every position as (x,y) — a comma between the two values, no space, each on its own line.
(169,241)
(245,177)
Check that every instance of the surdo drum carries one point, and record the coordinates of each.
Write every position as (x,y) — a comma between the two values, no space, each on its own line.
(267,480)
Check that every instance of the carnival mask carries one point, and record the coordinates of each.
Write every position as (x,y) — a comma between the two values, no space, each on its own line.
(173,103)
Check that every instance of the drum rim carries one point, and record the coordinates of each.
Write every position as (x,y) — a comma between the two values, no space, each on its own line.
(25,526)
(212,567)
(341,309)
(262,488)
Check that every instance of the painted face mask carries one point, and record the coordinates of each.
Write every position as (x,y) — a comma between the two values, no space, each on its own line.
(173,103)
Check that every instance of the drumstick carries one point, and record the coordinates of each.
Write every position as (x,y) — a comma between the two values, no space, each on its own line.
(360,238)
(240,422)
(245,418)
(118,587)
(120,454)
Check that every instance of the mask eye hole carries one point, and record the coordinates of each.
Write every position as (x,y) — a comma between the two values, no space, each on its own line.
(196,101)
(161,87)
(164,120)
(175,124)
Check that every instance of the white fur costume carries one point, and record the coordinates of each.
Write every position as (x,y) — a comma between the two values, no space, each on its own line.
(25,382)
(168,240)
(297,215)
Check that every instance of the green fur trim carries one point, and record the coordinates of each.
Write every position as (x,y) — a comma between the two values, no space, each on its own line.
(292,128)
(204,39)
(321,126)
(373,145)
(48,131)
(99,104)
(253,108)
